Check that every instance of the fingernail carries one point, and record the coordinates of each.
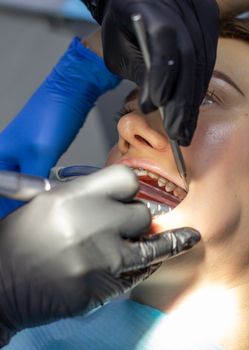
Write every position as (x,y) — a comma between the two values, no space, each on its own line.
(186,238)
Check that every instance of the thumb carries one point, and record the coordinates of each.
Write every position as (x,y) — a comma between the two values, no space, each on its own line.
(146,103)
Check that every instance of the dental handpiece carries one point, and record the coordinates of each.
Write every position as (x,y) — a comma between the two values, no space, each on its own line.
(139,29)
(26,187)
(22,187)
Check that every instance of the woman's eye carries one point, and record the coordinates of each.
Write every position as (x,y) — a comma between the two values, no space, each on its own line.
(210,99)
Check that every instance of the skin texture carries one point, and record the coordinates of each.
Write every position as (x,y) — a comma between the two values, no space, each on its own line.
(232,7)
(94,43)
(217,161)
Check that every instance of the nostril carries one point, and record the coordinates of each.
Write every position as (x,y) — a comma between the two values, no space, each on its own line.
(142,140)
(123,145)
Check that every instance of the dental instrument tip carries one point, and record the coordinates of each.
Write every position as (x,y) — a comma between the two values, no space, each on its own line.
(185,182)
(179,160)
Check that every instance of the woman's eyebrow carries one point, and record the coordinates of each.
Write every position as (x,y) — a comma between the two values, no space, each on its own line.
(220,75)
(216,74)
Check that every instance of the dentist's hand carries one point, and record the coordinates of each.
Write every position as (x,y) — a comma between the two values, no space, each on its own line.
(72,249)
(182,39)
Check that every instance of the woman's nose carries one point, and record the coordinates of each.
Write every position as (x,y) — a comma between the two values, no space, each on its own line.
(142,133)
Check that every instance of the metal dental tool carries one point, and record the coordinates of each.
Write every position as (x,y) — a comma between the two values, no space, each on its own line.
(139,29)
(26,187)
(155,208)
(22,187)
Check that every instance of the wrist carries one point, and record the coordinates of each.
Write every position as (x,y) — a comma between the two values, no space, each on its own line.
(94,43)
(83,78)
(87,73)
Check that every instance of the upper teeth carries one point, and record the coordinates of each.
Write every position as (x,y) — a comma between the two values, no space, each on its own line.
(162,183)
(170,187)
(141,172)
(152,175)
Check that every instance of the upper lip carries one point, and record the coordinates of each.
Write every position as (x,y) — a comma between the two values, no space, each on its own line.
(150,166)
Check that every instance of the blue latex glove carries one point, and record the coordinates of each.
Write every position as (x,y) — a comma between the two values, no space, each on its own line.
(43,130)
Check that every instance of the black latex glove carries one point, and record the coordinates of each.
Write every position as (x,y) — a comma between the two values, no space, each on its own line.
(67,251)
(181,31)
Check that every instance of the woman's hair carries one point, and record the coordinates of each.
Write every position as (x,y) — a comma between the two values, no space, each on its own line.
(235,28)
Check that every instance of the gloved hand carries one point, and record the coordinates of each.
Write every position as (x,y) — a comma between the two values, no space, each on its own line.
(43,130)
(70,250)
(182,39)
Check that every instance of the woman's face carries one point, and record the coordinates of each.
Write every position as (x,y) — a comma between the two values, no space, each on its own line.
(217,161)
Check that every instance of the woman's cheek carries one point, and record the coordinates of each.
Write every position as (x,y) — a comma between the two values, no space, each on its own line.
(113,156)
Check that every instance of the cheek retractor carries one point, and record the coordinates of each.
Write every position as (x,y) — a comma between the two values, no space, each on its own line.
(156,208)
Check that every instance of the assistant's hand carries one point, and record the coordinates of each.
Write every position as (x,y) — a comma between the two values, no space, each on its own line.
(182,39)
(73,249)
(45,127)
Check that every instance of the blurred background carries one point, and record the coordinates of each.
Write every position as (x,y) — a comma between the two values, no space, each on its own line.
(34,34)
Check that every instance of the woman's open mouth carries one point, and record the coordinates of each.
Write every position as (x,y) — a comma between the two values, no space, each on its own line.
(160,194)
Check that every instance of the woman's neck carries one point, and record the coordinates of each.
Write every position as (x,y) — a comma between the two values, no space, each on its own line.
(216,310)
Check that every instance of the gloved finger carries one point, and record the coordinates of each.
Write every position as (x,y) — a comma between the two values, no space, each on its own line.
(106,287)
(133,278)
(145,101)
(159,82)
(117,182)
(163,73)
(199,91)
(125,282)
(125,49)
(159,247)
(179,108)
(136,220)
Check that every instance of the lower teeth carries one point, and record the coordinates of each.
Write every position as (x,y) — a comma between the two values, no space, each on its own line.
(156,208)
